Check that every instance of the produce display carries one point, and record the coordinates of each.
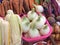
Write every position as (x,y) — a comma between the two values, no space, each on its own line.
(13,26)
(28,18)
(34,24)
(10,28)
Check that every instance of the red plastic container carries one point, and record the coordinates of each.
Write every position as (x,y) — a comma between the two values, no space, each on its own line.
(38,38)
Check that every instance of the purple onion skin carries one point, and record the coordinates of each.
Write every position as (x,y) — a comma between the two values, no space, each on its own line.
(55,6)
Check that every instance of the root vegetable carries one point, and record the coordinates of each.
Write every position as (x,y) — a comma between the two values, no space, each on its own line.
(39,8)
(32,15)
(40,21)
(44,30)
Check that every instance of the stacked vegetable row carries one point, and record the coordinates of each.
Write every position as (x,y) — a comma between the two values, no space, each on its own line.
(56,31)
(34,24)
(18,6)
(10,29)
(52,12)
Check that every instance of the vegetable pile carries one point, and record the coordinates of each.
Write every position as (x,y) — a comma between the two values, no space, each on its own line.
(12,26)
(34,24)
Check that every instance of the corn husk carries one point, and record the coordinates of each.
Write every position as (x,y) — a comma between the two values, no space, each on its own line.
(15,27)
(5,26)
(0,34)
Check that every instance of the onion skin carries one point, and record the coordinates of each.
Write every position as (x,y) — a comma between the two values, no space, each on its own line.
(32,15)
(53,35)
(57,36)
(39,8)
(34,33)
(44,30)
(56,28)
(40,21)
(25,24)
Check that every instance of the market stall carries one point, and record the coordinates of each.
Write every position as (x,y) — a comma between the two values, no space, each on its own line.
(29,22)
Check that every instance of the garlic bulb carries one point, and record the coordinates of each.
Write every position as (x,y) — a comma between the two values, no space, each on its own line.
(44,30)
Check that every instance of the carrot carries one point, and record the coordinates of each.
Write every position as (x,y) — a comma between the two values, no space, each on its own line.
(23,9)
(10,2)
(20,6)
(27,3)
(2,10)
(16,6)
(6,5)
(31,2)
(25,6)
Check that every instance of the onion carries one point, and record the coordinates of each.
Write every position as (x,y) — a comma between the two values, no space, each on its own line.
(56,28)
(33,32)
(32,14)
(40,21)
(44,30)
(25,24)
(39,8)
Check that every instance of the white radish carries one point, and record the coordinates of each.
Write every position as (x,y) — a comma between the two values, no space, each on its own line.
(44,30)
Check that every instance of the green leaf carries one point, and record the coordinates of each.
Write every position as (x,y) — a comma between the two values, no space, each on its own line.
(45,26)
(39,18)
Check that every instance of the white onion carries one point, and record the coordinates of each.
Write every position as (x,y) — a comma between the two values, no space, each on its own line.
(32,15)
(25,25)
(34,33)
(44,30)
(40,21)
(39,8)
